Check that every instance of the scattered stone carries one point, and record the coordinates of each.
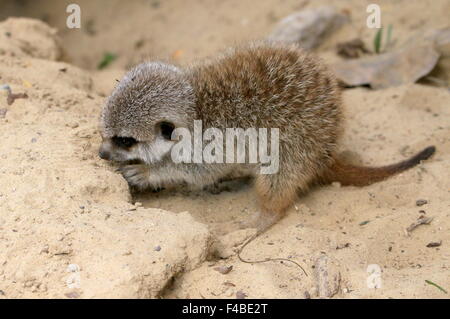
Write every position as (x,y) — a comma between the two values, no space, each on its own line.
(157,248)
(72,294)
(422,220)
(421,202)
(229,284)
(341,246)
(309,27)
(241,295)
(224,269)
(434,244)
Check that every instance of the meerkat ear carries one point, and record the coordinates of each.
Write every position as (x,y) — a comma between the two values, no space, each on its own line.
(165,129)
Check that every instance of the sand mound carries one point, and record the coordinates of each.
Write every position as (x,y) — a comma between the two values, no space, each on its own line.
(66,225)
(21,37)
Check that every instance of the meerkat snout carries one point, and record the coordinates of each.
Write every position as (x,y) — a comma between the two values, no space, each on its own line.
(104,153)
(117,148)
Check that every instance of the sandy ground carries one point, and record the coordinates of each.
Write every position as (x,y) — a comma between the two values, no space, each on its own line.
(70,229)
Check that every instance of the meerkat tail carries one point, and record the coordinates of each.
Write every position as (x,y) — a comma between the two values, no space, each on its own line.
(348,174)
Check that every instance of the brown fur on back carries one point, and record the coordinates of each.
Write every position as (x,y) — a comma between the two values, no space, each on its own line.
(274,86)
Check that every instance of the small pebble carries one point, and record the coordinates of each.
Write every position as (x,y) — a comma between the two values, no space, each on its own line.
(5,87)
(73,294)
(434,244)
(157,248)
(241,295)
(224,269)
(421,202)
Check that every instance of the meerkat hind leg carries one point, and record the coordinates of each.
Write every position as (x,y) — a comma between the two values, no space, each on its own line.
(274,199)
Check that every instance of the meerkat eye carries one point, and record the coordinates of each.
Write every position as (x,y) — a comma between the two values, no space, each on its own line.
(123,142)
(166,130)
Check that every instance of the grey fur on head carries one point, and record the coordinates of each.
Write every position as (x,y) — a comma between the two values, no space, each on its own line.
(150,93)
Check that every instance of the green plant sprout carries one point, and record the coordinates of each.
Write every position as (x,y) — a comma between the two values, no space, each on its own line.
(378,40)
(107,59)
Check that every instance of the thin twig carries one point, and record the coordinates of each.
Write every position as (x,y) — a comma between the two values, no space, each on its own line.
(265,260)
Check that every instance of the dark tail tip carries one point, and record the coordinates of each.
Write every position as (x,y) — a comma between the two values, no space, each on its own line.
(413,161)
(426,153)
(423,155)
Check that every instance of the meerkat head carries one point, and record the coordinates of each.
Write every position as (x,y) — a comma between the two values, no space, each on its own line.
(143,110)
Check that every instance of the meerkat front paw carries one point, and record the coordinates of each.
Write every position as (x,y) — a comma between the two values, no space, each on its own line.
(137,176)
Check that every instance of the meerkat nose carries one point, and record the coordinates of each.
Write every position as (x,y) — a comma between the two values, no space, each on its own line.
(104,154)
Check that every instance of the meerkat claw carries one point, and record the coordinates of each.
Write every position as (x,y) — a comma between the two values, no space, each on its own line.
(136,175)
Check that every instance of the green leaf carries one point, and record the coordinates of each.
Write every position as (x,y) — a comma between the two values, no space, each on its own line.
(436,285)
(377,40)
(107,59)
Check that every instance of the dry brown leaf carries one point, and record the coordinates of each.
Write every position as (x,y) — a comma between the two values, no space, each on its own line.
(389,69)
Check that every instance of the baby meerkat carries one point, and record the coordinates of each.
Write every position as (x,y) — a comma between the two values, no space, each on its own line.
(261,85)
